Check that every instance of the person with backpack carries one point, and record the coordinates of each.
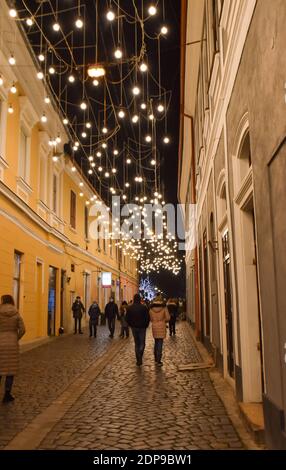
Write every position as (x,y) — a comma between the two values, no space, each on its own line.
(94,314)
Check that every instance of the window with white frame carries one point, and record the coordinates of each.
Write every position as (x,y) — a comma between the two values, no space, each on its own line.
(24,154)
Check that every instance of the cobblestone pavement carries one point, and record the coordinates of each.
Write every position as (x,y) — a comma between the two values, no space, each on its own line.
(127,407)
(45,372)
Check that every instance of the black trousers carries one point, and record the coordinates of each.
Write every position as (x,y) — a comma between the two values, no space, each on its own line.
(158,348)
(77,321)
(92,329)
(8,382)
(111,325)
(172,327)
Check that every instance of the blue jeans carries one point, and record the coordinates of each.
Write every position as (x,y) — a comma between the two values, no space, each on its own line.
(158,347)
(139,335)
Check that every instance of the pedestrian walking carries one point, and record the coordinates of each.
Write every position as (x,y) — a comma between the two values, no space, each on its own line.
(77,309)
(111,312)
(122,319)
(94,314)
(159,315)
(138,319)
(172,307)
(12,329)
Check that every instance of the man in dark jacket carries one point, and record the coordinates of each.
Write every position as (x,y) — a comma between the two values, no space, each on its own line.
(78,310)
(138,319)
(111,312)
(94,313)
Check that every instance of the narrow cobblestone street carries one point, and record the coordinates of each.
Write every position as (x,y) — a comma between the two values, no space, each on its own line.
(113,404)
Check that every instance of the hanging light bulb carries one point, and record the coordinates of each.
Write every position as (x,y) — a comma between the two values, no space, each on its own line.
(93,164)
(13,12)
(135,118)
(148,138)
(106,174)
(143,67)
(100,168)
(90,158)
(13,89)
(40,75)
(96,71)
(41,57)
(84,134)
(47,100)
(160,108)
(71,78)
(83,105)
(65,121)
(98,154)
(164,30)
(12,60)
(10,109)
(115,152)
(55,158)
(118,53)
(153,162)
(56,27)
(44,118)
(58,139)
(143,106)
(81,194)
(128,161)
(76,144)
(104,130)
(152,10)
(166,140)
(52,70)
(29,22)
(114,170)
(90,171)
(127,185)
(110,15)
(73,169)
(88,125)
(124,197)
(121,114)
(151,117)
(104,145)
(95,82)
(79,23)
(136,90)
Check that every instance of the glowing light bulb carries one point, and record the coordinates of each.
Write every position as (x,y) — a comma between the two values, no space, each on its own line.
(121,114)
(98,154)
(106,174)
(143,67)
(84,134)
(13,89)
(110,15)
(83,105)
(41,57)
(114,170)
(88,125)
(128,161)
(164,30)
(104,130)
(118,53)
(136,90)
(100,168)
(115,152)
(160,108)
(151,117)
(127,185)
(10,109)
(90,158)
(51,70)
(44,118)
(93,164)
(148,138)
(153,162)
(12,60)
(81,194)
(29,22)
(95,82)
(73,169)
(152,10)
(104,145)
(166,140)
(90,171)
(71,78)
(12,12)
(47,100)
(56,27)
(55,158)
(135,118)
(79,23)
(143,106)
(58,140)
(40,75)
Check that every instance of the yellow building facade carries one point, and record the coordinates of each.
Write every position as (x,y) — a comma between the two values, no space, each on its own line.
(46,254)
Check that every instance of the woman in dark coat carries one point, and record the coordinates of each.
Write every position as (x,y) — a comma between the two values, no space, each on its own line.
(173,311)
(12,328)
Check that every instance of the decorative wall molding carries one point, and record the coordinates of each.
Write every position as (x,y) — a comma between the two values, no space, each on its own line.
(246,187)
